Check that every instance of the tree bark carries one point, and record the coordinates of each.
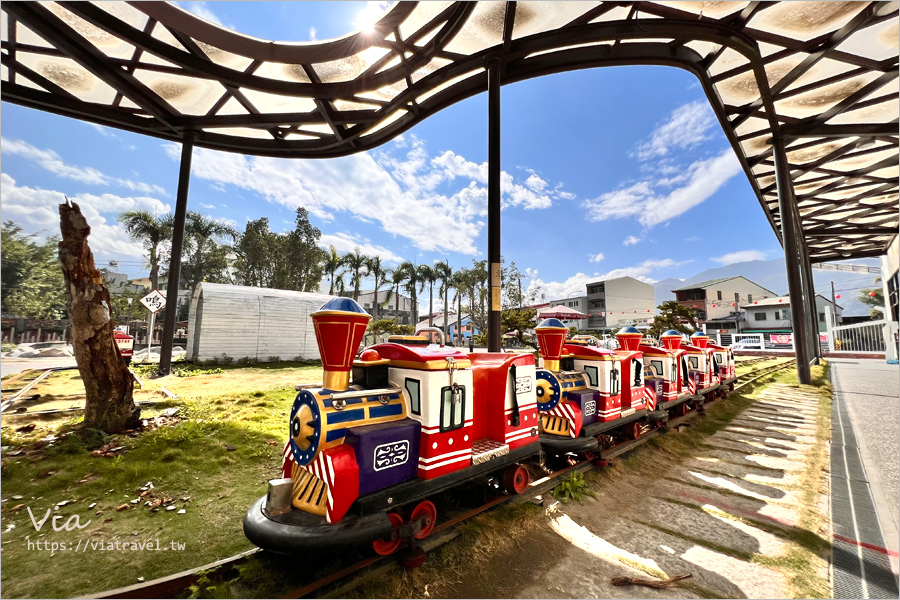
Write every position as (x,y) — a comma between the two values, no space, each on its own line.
(108,384)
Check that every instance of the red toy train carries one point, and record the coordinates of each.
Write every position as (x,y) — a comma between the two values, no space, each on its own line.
(406,420)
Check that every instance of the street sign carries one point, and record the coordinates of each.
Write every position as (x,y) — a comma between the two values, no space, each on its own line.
(154,301)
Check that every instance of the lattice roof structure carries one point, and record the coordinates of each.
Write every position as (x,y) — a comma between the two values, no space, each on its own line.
(823,75)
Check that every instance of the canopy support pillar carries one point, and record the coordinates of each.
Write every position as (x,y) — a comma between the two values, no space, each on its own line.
(494,270)
(799,325)
(184,181)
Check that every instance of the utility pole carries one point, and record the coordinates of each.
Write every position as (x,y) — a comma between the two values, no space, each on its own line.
(833,299)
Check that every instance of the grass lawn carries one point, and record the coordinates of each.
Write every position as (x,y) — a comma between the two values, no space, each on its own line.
(212,460)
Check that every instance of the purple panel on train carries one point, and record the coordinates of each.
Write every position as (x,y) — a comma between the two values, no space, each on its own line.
(587,402)
(387,453)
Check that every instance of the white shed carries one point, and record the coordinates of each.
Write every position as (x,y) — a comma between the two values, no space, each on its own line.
(251,323)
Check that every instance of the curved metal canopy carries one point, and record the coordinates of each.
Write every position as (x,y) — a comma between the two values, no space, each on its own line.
(823,75)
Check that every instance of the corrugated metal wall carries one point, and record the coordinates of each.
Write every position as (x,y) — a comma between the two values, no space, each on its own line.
(253,323)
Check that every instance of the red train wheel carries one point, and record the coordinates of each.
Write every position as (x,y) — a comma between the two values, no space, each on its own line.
(388,545)
(516,479)
(633,430)
(426,510)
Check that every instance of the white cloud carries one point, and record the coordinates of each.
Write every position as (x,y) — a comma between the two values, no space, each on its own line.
(312,34)
(104,131)
(555,290)
(651,208)
(686,127)
(201,9)
(740,256)
(693,238)
(207,206)
(345,242)
(595,257)
(631,240)
(51,161)
(36,210)
(413,195)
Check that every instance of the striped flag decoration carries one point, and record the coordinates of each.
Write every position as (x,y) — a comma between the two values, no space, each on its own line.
(287,460)
(692,385)
(650,397)
(564,410)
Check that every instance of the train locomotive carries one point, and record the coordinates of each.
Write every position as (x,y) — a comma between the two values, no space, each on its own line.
(364,455)
(724,357)
(585,393)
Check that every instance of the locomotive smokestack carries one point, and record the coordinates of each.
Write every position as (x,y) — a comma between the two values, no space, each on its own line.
(340,325)
(629,338)
(700,339)
(671,340)
(551,335)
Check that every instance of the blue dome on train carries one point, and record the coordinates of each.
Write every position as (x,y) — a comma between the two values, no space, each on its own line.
(552,323)
(629,330)
(672,333)
(699,334)
(344,305)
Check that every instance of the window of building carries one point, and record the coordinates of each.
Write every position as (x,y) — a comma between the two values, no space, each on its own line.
(701,314)
(749,297)
(718,295)
(453,403)
(595,289)
(785,315)
(367,305)
(415,402)
(822,317)
(737,297)
(759,316)
(593,376)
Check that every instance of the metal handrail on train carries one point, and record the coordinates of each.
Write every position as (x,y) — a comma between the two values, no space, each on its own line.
(436,330)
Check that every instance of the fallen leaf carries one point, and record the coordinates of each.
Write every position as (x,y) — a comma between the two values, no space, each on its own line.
(122,507)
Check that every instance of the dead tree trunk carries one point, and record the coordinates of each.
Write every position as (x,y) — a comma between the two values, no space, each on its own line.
(108,385)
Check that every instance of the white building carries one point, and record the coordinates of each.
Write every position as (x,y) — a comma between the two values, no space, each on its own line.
(775,313)
(238,322)
(388,305)
(618,302)
(578,303)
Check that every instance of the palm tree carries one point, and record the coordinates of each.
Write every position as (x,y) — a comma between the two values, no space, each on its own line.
(460,283)
(152,232)
(358,265)
(426,275)
(411,283)
(334,267)
(444,274)
(376,270)
(202,231)
(397,276)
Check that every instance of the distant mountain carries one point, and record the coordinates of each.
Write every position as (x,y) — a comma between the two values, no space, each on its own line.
(771,275)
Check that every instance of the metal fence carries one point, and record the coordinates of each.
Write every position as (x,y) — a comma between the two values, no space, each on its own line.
(862,337)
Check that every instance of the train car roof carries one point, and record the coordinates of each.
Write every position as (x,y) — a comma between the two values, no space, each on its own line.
(658,350)
(501,358)
(589,352)
(431,358)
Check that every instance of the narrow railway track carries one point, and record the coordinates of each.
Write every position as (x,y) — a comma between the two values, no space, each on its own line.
(175,586)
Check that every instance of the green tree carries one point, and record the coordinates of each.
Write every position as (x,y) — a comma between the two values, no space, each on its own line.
(673,315)
(151,231)
(396,277)
(380,274)
(444,274)
(873,298)
(358,265)
(520,320)
(32,280)
(334,268)
(254,249)
(411,284)
(205,256)
(461,285)
(304,260)
(427,276)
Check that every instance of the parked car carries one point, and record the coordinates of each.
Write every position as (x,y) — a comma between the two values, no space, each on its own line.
(752,344)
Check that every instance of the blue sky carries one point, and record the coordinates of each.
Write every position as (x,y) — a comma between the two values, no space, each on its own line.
(607,172)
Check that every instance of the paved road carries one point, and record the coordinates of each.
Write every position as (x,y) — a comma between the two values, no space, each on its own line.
(9,366)
(870,390)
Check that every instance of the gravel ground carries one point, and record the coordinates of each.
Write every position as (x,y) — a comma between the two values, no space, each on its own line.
(870,390)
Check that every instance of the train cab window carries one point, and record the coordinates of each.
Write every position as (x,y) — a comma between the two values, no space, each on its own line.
(638,369)
(592,375)
(658,368)
(695,363)
(685,376)
(453,403)
(415,400)
(715,364)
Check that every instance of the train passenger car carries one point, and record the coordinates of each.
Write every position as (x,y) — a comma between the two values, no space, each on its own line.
(725,360)
(702,365)
(417,419)
(666,373)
